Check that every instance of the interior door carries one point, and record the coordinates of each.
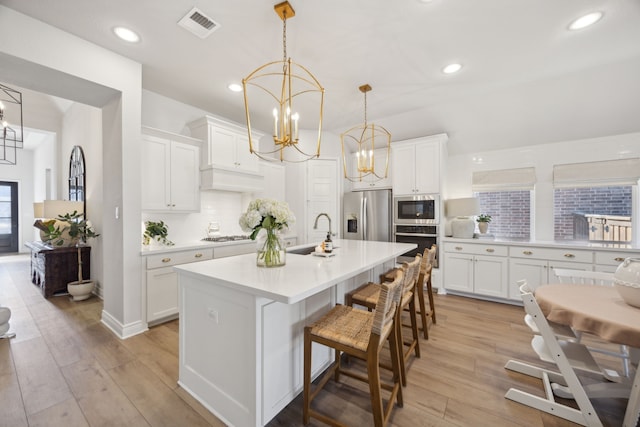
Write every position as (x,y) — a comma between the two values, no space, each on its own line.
(8,217)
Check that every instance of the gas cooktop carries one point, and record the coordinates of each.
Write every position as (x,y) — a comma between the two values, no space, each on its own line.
(226,238)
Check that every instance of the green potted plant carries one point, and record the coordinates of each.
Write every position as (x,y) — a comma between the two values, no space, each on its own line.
(157,232)
(72,229)
(483,222)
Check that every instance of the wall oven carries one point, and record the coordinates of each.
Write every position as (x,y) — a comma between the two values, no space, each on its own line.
(422,235)
(418,209)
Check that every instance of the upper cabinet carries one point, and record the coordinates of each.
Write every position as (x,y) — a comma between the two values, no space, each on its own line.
(170,172)
(226,161)
(416,165)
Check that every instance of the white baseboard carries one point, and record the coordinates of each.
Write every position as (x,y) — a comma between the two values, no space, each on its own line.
(123,331)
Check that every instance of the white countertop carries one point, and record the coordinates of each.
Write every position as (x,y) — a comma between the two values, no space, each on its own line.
(570,244)
(302,276)
(185,246)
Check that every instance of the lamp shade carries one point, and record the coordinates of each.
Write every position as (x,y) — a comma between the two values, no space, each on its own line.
(462,207)
(56,208)
(38,210)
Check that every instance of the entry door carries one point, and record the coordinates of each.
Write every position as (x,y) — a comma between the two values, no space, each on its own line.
(8,217)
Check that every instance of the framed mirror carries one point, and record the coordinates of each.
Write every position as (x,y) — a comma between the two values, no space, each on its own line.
(77,177)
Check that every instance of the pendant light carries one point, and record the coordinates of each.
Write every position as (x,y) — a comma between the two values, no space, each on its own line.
(11,130)
(294,97)
(360,143)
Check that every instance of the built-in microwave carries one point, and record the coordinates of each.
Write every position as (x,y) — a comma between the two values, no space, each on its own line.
(418,209)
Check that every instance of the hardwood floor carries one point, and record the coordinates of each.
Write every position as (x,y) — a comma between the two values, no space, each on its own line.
(64,368)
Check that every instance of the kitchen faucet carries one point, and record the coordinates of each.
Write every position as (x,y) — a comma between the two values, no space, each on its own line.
(315,225)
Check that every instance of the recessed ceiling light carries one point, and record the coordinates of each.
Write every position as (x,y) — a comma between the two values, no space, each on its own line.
(585,21)
(452,68)
(126,34)
(235,87)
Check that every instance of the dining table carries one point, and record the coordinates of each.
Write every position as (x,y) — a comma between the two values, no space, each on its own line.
(598,310)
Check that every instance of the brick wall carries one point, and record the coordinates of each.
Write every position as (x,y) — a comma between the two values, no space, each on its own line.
(571,203)
(510,213)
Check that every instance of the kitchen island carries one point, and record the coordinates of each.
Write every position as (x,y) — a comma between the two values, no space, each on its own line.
(241,326)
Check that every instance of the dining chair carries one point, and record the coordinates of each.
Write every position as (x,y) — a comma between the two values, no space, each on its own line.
(583,277)
(367,296)
(568,356)
(361,334)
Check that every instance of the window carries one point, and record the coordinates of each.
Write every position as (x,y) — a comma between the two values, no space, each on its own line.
(593,213)
(510,212)
(594,201)
(506,195)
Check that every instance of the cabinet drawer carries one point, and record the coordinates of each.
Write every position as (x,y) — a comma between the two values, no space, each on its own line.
(168,259)
(613,258)
(476,249)
(231,250)
(570,255)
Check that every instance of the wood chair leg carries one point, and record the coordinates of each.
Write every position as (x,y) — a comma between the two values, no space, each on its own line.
(432,307)
(307,377)
(414,326)
(423,313)
(398,328)
(377,408)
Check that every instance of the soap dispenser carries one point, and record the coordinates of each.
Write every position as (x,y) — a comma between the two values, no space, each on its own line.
(328,244)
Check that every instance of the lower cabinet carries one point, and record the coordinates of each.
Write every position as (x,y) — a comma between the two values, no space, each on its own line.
(477,268)
(162,282)
(536,265)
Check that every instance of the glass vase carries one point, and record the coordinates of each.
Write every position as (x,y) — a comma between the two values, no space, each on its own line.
(271,250)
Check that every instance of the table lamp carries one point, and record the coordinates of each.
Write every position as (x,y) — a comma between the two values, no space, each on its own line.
(462,211)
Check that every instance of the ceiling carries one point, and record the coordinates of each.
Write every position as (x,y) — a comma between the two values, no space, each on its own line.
(526,79)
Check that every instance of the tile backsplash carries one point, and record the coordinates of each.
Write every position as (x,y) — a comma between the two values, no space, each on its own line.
(224,207)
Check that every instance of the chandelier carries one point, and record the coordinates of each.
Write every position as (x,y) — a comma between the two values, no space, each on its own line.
(362,142)
(11,133)
(295,98)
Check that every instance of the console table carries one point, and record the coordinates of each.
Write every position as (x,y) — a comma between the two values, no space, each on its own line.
(52,268)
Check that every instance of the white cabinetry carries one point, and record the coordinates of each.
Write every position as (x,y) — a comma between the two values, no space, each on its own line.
(170,172)
(476,268)
(536,265)
(416,165)
(371,182)
(609,261)
(274,180)
(226,162)
(162,282)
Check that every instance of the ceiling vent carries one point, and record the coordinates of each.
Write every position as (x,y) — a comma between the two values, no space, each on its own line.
(198,23)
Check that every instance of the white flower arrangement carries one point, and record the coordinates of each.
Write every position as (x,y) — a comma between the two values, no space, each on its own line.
(268,214)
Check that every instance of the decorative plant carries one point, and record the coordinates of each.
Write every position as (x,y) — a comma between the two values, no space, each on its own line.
(270,215)
(157,231)
(484,218)
(70,228)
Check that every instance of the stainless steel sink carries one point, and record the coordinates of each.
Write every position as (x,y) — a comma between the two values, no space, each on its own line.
(302,251)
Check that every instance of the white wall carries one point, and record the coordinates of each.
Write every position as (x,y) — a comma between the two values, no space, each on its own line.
(46,59)
(542,157)
(21,173)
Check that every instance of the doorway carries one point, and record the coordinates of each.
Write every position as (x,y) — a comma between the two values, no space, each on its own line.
(8,217)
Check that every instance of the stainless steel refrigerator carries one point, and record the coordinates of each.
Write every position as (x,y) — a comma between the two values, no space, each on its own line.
(367,215)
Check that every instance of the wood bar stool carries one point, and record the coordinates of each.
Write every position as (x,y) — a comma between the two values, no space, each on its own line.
(360,334)
(367,295)
(426,269)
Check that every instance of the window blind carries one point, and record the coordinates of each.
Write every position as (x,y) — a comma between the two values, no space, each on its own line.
(504,180)
(597,174)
